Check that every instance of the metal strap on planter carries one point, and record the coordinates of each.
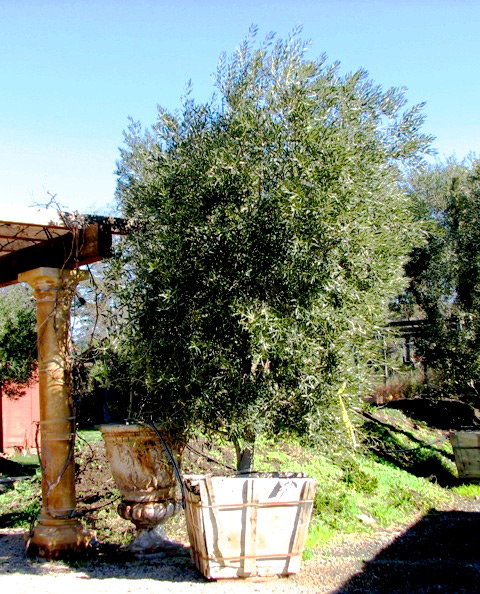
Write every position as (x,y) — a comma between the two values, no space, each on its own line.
(252,503)
(243,557)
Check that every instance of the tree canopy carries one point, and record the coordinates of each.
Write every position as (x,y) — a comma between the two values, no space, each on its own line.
(445,275)
(18,338)
(269,235)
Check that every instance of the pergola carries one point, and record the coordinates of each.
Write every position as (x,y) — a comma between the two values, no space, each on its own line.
(46,249)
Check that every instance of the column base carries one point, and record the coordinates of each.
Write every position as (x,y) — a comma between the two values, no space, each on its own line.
(58,539)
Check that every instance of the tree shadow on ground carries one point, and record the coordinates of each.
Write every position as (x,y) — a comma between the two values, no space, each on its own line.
(17,517)
(438,554)
(12,554)
(446,414)
(107,561)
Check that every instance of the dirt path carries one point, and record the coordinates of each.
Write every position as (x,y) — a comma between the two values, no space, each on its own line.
(438,553)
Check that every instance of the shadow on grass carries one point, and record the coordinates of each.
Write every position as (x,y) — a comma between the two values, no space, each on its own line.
(12,468)
(438,554)
(19,518)
(422,460)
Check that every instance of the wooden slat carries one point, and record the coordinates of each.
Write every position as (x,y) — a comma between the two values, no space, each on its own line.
(74,248)
(466,448)
(14,244)
(249,536)
(302,522)
(213,538)
(15,236)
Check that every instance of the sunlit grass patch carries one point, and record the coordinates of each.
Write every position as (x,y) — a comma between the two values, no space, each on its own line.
(470,490)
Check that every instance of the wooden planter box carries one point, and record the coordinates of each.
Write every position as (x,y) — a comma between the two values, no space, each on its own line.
(466,447)
(245,527)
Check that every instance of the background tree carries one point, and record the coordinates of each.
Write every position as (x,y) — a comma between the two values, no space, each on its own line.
(270,235)
(88,329)
(445,275)
(18,339)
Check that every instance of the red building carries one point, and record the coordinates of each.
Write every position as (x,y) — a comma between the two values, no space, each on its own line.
(18,419)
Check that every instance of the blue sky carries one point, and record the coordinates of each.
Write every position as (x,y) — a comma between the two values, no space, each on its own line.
(73,71)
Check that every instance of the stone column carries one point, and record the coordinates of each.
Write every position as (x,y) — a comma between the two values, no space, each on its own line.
(58,532)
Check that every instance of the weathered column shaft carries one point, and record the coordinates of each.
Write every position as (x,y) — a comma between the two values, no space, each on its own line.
(57,530)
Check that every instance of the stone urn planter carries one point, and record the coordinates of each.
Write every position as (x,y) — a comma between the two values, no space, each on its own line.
(145,477)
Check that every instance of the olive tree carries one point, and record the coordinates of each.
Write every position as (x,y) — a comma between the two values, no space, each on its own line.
(268,234)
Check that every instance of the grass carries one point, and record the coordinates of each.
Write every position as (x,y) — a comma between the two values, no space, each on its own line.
(468,490)
(89,436)
(29,460)
(18,465)
(366,491)
(20,505)
(406,469)
(361,494)
(411,446)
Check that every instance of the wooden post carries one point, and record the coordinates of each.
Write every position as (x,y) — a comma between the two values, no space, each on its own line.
(57,532)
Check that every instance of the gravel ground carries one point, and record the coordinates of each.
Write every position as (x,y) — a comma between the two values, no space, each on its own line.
(172,573)
(438,553)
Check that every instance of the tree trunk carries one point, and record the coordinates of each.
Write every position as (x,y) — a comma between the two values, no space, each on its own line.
(245,454)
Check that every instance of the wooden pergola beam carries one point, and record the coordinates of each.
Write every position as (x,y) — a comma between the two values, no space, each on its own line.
(69,251)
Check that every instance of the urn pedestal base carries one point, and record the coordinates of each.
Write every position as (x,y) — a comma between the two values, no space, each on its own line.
(149,517)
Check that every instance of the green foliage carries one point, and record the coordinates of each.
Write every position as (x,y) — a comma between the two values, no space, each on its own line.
(29,462)
(89,436)
(18,339)
(445,275)
(358,492)
(21,505)
(268,236)
(355,476)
